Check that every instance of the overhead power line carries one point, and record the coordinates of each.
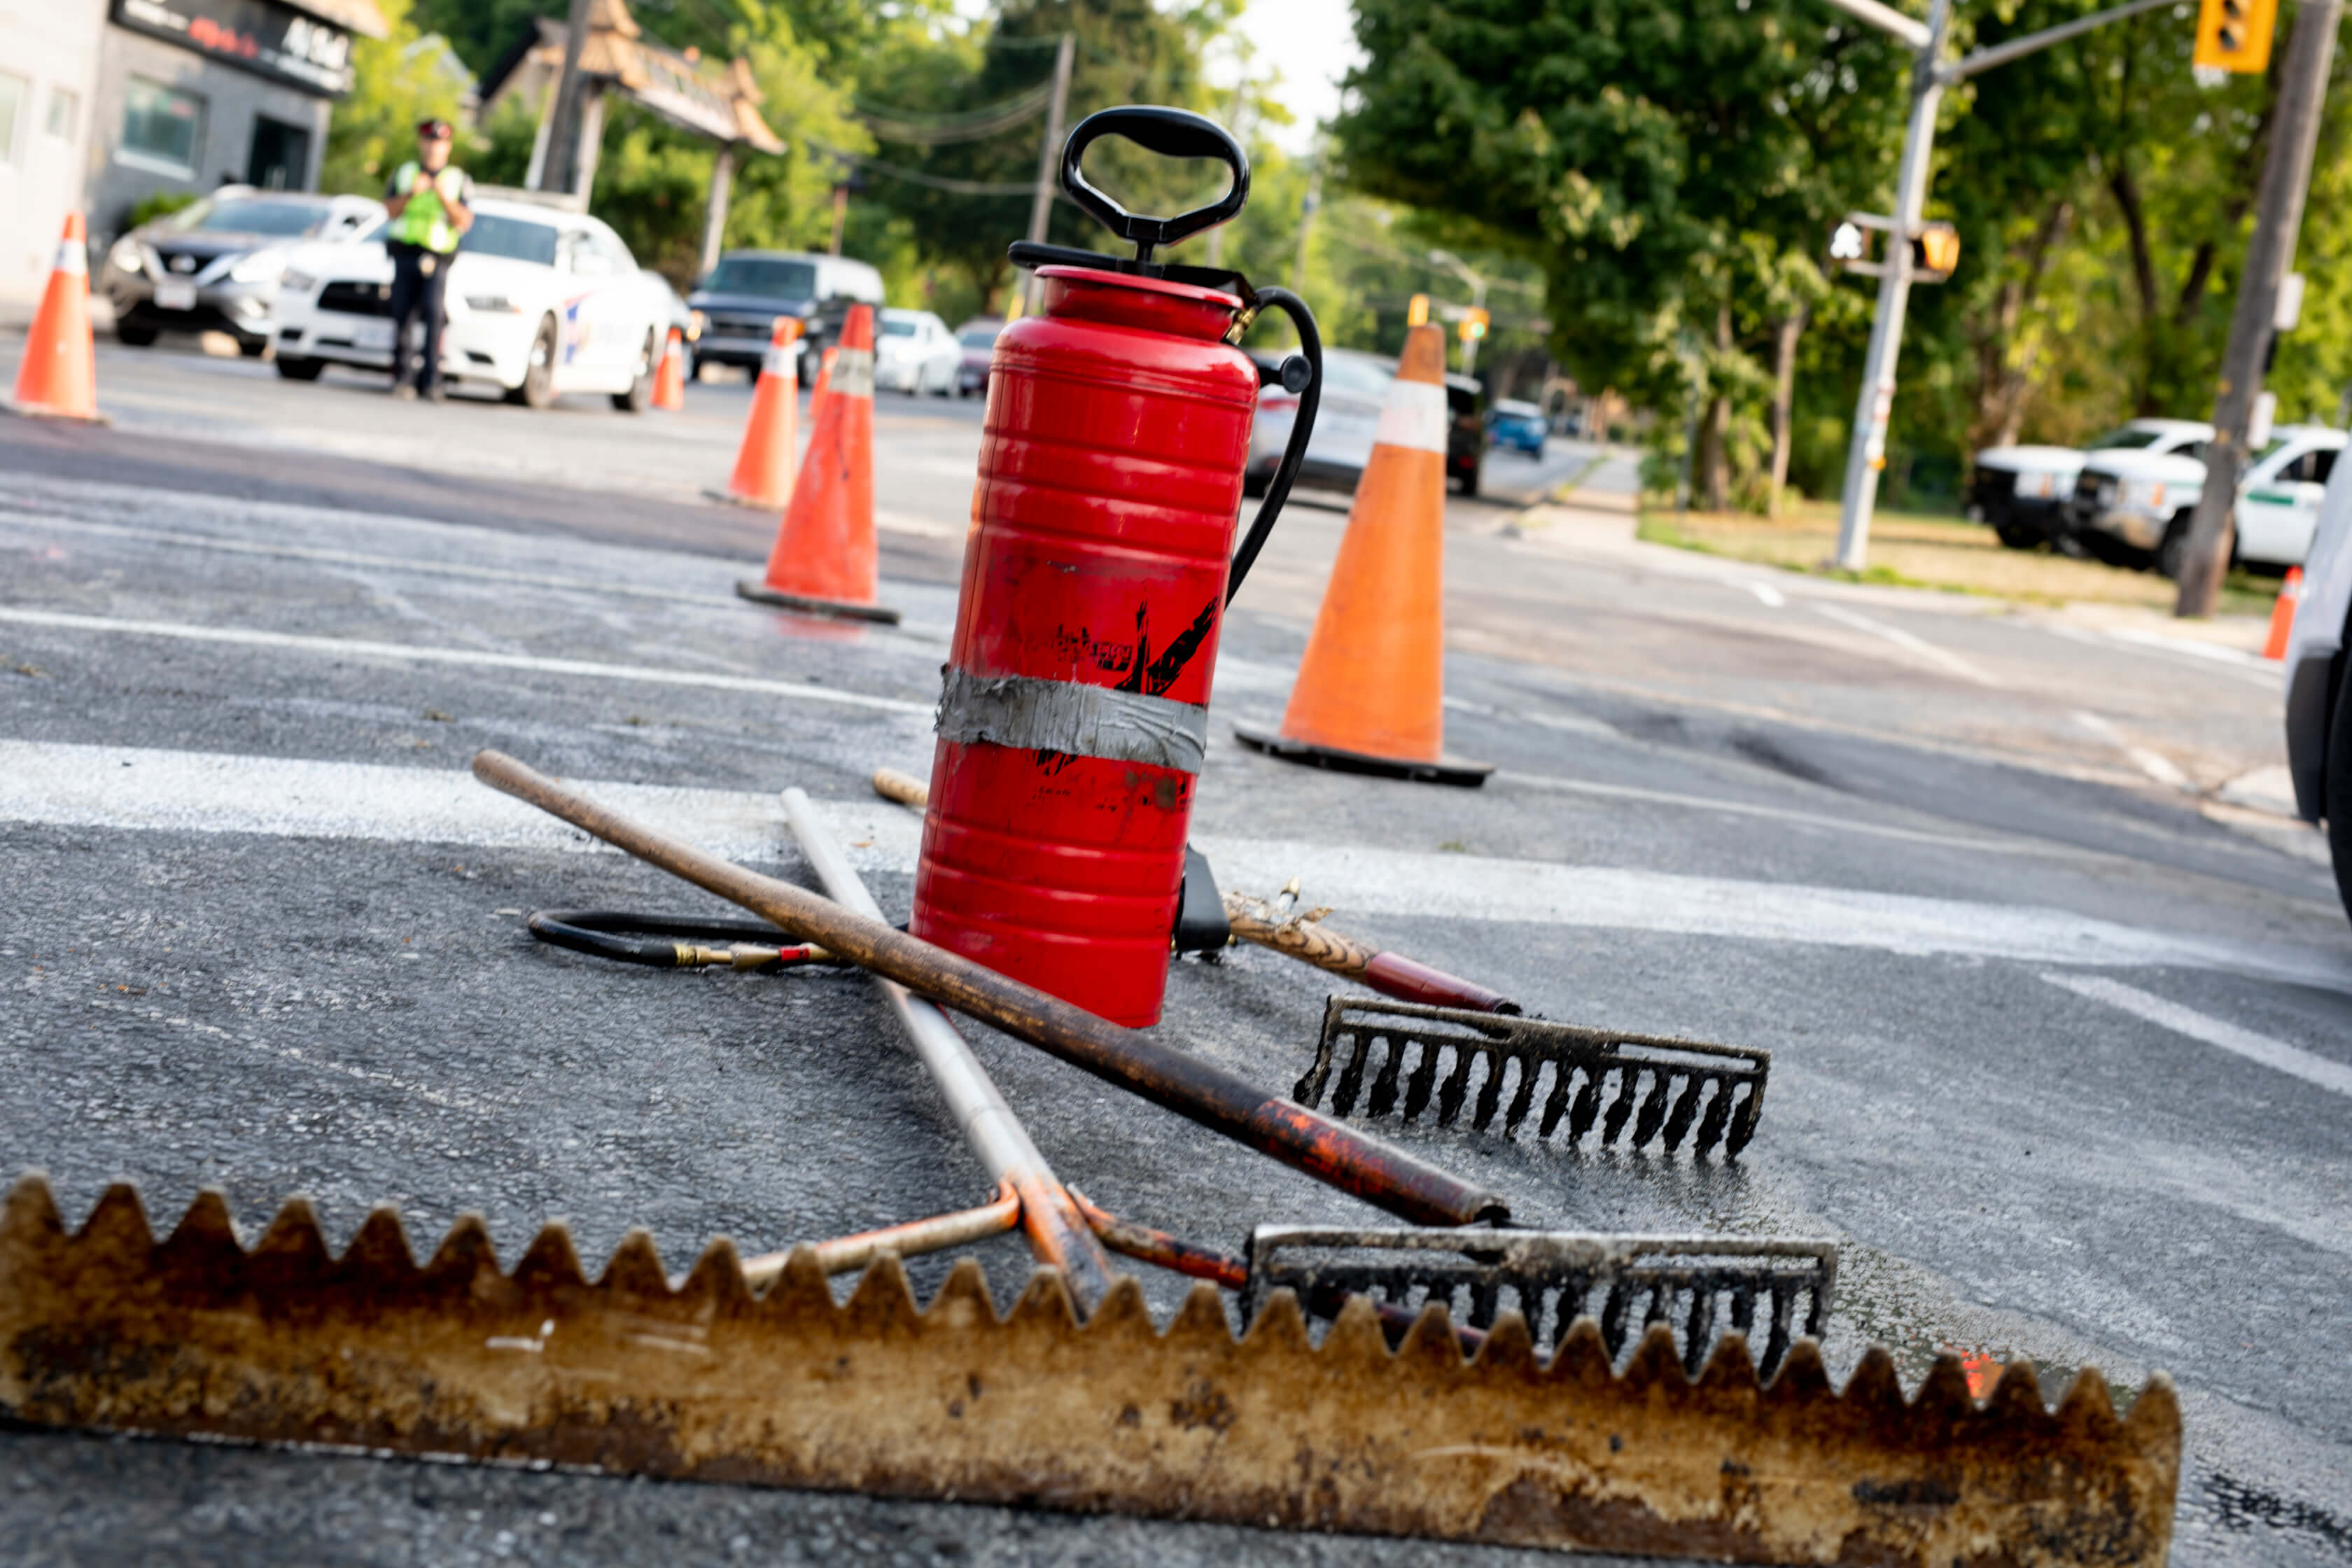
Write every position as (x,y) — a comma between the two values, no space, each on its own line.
(936,182)
(920,130)
(1389,253)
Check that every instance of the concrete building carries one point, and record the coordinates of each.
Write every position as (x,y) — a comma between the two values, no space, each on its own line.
(106,102)
(48,64)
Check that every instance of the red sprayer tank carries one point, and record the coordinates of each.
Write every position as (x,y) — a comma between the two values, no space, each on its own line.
(1074,709)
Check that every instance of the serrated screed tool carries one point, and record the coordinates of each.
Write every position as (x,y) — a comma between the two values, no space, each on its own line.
(1507,1075)
(107,1328)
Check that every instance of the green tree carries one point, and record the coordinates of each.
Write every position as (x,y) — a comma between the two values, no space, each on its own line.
(396,81)
(1671,169)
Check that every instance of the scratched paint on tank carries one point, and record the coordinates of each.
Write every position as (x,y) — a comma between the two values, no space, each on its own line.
(1109,482)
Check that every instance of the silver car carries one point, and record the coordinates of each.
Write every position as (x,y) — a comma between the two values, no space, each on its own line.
(214,267)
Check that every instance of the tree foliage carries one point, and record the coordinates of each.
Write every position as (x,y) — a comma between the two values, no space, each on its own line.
(1670,165)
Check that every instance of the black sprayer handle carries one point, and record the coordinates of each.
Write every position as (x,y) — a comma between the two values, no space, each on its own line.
(1294,452)
(1171,133)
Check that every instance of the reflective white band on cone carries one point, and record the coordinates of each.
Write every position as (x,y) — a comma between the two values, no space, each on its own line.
(1414,418)
(73,259)
(780,362)
(853,374)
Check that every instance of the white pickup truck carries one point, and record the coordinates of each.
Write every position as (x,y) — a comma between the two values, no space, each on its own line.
(2023,492)
(2132,507)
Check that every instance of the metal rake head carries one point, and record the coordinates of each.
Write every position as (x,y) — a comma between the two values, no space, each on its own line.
(1380,1059)
(1699,1287)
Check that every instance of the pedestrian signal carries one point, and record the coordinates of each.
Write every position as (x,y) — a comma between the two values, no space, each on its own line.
(1416,310)
(2235,34)
(1848,243)
(1474,323)
(1936,250)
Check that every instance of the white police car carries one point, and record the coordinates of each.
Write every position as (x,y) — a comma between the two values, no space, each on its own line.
(541,301)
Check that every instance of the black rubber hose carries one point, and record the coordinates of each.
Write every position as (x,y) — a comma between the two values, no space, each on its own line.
(1277,488)
(631,937)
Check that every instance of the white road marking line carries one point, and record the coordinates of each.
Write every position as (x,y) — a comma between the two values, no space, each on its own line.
(2214,653)
(2178,646)
(1903,639)
(356,558)
(1766,594)
(2160,768)
(203,792)
(89,786)
(2155,764)
(2308,1066)
(1806,818)
(356,648)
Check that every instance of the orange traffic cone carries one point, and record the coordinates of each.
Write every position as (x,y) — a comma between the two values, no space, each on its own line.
(825,559)
(58,378)
(823,384)
(1370,693)
(765,463)
(670,378)
(2283,614)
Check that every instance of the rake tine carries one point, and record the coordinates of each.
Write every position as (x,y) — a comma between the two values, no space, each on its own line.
(1783,1304)
(1678,1119)
(1384,1084)
(1711,1125)
(1698,1332)
(1523,1098)
(1588,1105)
(1743,1308)
(1490,1092)
(1424,1081)
(1743,1125)
(1557,1102)
(1613,1315)
(1619,1109)
(1653,1107)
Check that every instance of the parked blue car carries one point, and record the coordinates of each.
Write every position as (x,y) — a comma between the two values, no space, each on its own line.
(1520,425)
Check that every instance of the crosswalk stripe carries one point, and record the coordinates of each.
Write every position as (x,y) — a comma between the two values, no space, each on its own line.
(135,788)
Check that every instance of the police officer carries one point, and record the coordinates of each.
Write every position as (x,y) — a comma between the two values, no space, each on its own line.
(431,203)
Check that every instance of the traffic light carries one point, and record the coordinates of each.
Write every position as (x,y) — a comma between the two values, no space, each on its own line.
(1474,323)
(1936,250)
(2235,34)
(1416,310)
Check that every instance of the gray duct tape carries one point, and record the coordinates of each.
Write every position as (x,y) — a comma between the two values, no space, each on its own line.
(1034,715)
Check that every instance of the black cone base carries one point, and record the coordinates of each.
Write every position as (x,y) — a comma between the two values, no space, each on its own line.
(1444,771)
(839,609)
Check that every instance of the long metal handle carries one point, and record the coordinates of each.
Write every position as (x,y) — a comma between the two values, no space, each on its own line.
(1329,1150)
(1058,1234)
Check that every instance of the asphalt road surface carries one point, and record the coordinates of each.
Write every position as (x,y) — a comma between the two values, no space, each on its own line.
(2063,1053)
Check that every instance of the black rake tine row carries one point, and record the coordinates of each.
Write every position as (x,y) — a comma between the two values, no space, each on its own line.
(1700,1287)
(1378,1059)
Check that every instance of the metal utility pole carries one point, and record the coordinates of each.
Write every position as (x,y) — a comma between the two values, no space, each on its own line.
(2270,252)
(556,165)
(1461,270)
(1307,208)
(1049,155)
(714,209)
(1930,74)
(1866,454)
